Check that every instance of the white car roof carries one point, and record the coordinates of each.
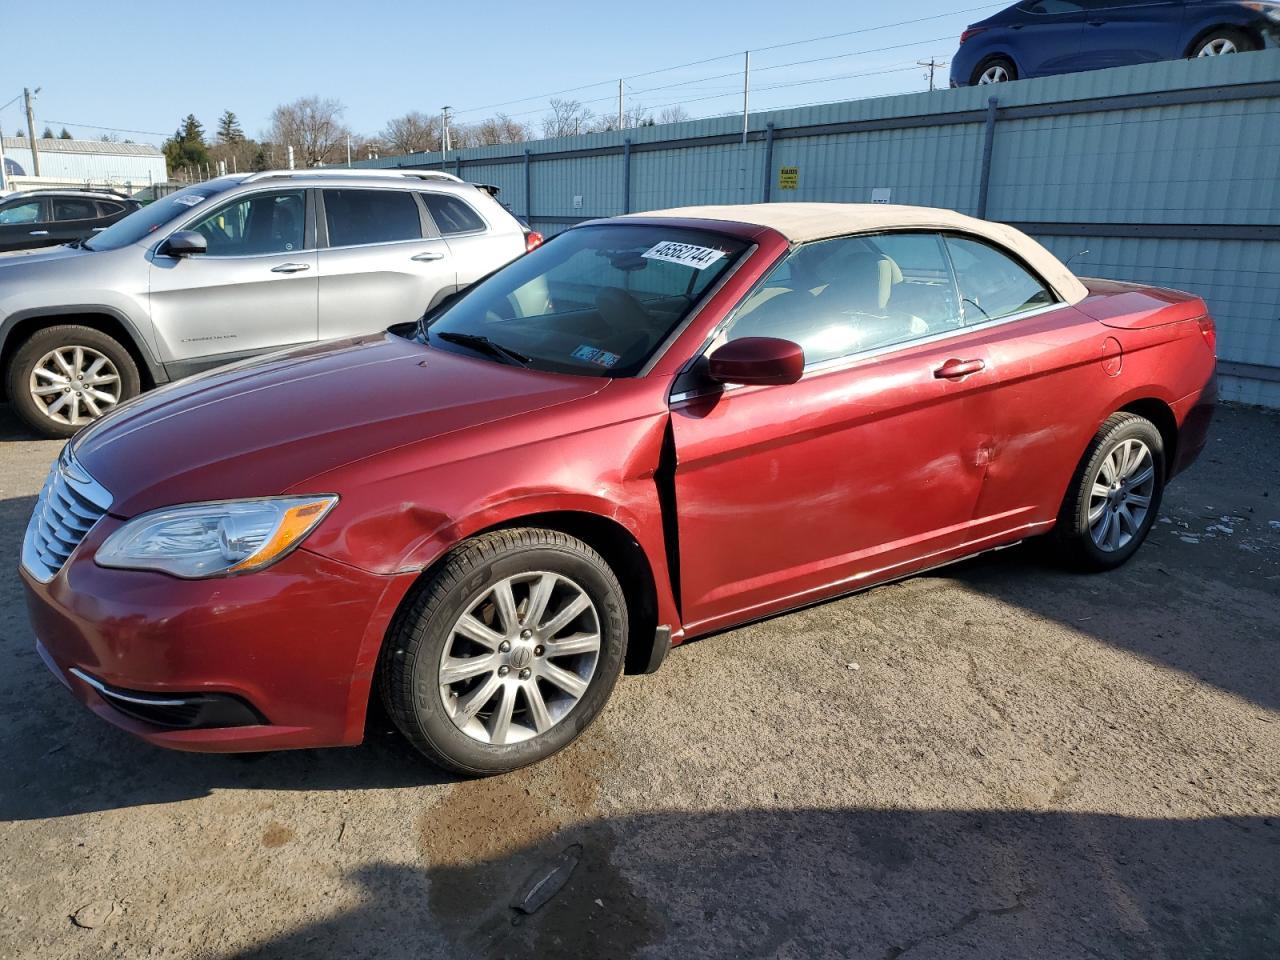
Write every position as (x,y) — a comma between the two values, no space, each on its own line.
(805,222)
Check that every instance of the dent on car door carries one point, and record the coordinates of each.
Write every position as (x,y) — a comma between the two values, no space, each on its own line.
(1048,366)
(381,265)
(870,465)
(252,290)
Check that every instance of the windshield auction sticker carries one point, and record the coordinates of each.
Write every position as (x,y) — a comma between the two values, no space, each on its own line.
(685,254)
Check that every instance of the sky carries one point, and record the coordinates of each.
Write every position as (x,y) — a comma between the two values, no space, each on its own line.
(137,76)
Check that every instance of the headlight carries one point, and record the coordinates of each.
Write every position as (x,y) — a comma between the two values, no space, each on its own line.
(214,539)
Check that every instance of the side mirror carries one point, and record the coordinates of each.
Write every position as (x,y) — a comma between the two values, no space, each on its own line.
(184,243)
(757,360)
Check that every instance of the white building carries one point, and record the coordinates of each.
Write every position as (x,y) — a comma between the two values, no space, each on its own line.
(65,163)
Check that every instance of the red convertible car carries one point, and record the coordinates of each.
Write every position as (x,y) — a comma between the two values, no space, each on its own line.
(651,428)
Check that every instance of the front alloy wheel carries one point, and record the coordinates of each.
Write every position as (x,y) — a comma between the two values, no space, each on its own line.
(506,651)
(75,384)
(520,658)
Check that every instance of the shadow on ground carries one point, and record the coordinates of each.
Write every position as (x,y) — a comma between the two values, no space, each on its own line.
(846,883)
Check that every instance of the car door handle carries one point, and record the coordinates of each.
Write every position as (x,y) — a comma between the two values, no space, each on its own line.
(39,233)
(291,268)
(427,256)
(957,369)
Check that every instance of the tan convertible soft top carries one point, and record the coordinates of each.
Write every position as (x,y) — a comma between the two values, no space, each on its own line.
(802,222)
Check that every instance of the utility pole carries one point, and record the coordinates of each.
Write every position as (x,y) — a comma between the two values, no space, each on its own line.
(4,176)
(933,64)
(620,110)
(28,96)
(746,93)
(290,156)
(444,136)
(348,149)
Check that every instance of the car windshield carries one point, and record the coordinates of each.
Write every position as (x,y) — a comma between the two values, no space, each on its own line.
(150,218)
(594,300)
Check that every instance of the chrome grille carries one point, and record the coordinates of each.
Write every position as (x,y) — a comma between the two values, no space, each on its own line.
(70,503)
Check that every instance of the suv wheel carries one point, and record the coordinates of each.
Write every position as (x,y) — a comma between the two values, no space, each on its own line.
(1223,40)
(507,653)
(66,376)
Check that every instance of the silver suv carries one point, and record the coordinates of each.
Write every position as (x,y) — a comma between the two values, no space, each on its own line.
(234,267)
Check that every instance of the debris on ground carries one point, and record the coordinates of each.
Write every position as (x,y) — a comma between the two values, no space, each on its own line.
(548,880)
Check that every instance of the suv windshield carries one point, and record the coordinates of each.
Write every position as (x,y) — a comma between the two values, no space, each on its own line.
(595,300)
(142,222)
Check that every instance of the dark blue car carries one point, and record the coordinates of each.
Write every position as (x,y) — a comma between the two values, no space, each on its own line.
(1037,38)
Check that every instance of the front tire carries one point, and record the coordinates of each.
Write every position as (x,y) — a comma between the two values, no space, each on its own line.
(66,376)
(1114,496)
(507,653)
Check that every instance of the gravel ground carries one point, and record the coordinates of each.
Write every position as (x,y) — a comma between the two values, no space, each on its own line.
(999,759)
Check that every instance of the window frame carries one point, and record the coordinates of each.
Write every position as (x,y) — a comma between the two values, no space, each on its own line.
(105,214)
(690,382)
(422,195)
(428,228)
(308,226)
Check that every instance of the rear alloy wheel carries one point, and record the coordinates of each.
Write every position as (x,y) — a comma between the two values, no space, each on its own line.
(507,653)
(1221,42)
(1115,494)
(65,377)
(997,70)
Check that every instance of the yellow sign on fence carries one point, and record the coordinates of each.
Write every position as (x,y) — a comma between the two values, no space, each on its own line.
(788,178)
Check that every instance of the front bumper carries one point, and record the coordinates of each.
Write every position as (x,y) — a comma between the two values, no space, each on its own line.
(294,645)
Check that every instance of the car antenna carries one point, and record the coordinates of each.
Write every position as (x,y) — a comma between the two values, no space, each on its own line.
(1078,253)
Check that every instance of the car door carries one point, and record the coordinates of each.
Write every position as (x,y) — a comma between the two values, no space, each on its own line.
(252,290)
(870,466)
(73,218)
(1048,359)
(24,223)
(1050,37)
(381,262)
(1122,32)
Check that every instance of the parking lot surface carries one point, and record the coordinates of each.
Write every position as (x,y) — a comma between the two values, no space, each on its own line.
(999,759)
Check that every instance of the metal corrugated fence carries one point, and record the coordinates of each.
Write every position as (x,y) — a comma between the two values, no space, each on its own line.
(1165,173)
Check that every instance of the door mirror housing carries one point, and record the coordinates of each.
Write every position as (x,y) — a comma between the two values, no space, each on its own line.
(184,243)
(757,360)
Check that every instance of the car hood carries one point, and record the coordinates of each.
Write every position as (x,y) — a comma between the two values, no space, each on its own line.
(263,426)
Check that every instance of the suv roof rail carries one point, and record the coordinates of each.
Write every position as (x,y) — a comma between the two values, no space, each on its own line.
(348,172)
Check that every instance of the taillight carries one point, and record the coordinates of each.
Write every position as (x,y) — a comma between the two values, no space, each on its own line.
(1209,332)
(970,33)
(532,241)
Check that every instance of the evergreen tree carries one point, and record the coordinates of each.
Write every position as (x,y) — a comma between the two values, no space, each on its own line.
(186,148)
(65,134)
(48,134)
(229,130)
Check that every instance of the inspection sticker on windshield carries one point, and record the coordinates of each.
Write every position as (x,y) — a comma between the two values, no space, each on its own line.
(190,200)
(685,254)
(601,358)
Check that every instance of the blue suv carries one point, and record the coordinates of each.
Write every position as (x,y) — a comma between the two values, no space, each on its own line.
(1038,38)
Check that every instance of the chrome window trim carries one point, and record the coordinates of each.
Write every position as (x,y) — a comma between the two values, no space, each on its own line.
(381,243)
(875,353)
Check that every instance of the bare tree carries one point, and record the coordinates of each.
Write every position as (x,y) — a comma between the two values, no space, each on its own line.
(415,132)
(500,129)
(674,114)
(568,118)
(313,127)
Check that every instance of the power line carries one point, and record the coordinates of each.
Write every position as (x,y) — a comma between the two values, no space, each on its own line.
(776,46)
(99,126)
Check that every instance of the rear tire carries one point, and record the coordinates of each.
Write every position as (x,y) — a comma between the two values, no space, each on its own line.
(1114,496)
(65,376)
(1221,41)
(487,617)
(994,70)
